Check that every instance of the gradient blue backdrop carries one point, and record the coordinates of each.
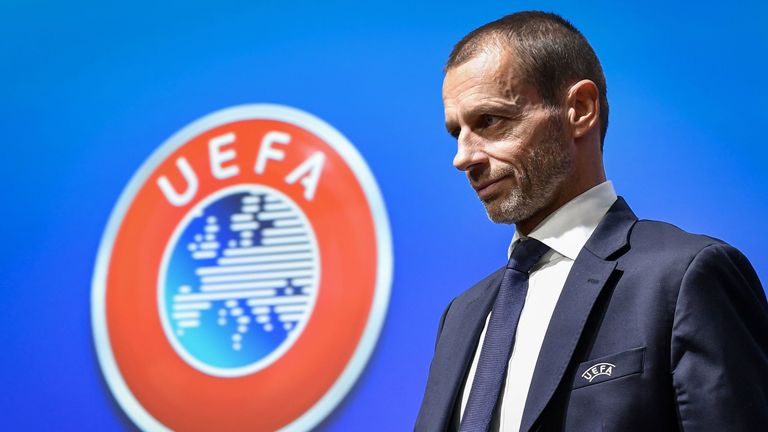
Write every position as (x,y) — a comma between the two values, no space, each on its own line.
(88,90)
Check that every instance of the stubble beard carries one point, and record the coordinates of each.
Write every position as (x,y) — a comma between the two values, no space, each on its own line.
(541,173)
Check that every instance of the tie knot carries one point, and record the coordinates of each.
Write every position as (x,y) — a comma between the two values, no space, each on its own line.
(526,254)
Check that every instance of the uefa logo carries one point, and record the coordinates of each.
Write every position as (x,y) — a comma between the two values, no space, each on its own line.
(244,275)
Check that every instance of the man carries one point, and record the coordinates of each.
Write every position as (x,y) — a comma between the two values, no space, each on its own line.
(600,321)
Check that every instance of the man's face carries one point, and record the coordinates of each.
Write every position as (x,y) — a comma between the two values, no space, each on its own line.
(512,147)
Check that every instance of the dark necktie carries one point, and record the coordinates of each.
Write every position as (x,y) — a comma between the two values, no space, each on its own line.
(500,336)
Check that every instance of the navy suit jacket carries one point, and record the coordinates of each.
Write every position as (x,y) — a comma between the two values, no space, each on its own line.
(656,329)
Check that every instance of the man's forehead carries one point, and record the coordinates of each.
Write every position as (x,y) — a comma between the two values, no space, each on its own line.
(484,68)
(489,79)
(492,71)
(485,62)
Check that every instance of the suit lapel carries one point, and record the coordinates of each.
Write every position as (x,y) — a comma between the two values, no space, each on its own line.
(586,280)
(455,350)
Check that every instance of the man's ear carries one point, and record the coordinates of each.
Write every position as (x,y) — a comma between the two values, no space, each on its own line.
(583,105)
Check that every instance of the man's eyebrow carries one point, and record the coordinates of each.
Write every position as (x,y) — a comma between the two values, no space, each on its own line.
(491,107)
(509,109)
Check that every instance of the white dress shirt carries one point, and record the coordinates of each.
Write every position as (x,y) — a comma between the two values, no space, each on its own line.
(565,231)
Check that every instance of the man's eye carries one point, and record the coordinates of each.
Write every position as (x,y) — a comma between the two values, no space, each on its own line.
(490,120)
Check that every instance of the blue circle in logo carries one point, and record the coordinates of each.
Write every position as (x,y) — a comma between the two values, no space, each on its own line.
(239,280)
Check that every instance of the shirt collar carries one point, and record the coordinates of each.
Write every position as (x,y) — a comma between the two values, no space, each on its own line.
(568,228)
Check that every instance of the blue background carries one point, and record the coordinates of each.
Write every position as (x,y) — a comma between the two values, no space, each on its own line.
(89,90)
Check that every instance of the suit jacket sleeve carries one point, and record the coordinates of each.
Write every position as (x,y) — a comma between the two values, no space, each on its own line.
(720,344)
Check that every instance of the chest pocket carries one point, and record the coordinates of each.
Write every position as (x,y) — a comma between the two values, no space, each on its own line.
(609,367)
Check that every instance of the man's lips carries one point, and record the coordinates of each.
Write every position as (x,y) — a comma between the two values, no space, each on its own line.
(486,187)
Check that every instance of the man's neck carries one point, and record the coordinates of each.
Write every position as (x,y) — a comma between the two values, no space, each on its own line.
(526,226)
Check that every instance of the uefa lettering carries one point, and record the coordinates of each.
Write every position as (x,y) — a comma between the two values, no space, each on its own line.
(244,275)
(597,370)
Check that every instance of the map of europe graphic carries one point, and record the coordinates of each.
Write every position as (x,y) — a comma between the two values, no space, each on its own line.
(241,279)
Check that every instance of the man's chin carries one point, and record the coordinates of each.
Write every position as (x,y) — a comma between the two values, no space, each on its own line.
(497,214)
(509,210)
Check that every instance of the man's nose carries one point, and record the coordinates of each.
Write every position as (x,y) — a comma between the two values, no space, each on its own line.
(468,153)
